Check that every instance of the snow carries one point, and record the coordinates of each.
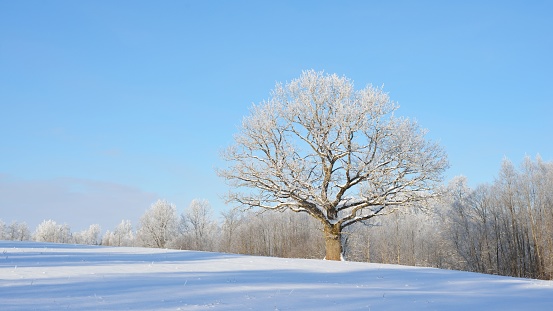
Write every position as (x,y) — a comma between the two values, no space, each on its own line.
(46,276)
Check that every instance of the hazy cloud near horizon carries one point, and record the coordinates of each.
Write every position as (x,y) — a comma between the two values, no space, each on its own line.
(76,202)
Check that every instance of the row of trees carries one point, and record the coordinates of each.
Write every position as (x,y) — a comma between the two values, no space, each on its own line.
(16,231)
(159,227)
(264,234)
(49,231)
(506,227)
(500,228)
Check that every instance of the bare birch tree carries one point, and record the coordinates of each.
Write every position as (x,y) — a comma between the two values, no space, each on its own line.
(197,226)
(232,219)
(318,146)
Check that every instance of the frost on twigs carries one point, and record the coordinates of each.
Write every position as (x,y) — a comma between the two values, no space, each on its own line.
(320,147)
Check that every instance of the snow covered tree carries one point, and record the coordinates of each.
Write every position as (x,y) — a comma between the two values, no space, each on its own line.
(90,236)
(121,236)
(50,231)
(19,231)
(158,225)
(318,146)
(3,230)
(16,231)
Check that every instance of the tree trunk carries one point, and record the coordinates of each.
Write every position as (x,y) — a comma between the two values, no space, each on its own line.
(333,242)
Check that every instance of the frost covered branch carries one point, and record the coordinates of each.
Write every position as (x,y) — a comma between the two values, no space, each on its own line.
(320,147)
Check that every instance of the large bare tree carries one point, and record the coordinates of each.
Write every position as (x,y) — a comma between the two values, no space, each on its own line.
(318,146)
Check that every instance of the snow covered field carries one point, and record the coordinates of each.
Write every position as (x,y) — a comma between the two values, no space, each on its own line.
(43,276)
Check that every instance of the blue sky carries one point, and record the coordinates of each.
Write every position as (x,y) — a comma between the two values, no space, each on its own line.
(106,106)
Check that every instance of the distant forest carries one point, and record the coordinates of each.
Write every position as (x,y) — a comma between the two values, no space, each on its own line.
(503,228)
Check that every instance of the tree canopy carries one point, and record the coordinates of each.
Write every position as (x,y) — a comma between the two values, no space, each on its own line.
(320,147)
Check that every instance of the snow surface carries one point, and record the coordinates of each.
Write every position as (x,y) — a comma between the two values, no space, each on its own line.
(46,276)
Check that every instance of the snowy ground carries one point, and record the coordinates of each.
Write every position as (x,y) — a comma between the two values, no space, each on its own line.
(42,276)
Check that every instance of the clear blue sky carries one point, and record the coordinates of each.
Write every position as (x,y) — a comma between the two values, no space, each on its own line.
(106,106)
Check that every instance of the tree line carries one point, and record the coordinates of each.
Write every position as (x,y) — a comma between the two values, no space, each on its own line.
(504,228)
